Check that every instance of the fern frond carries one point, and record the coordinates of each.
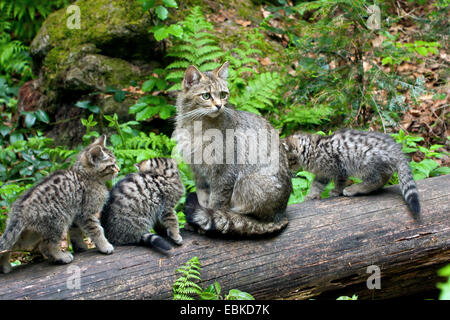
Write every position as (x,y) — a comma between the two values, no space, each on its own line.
(184,288)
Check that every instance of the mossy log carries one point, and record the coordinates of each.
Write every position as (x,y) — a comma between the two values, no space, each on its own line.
(325,251)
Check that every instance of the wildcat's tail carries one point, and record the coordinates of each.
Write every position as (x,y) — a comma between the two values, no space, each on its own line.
(226,221)
(408,187)
(12,233)
(155,241)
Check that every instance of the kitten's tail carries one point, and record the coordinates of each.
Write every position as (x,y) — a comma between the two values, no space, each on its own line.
(227,221)
(155,241)
(408,186)
(11,234)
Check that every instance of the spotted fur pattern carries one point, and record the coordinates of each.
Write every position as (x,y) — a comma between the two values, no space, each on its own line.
(142,200)
(67,198)
(370,156)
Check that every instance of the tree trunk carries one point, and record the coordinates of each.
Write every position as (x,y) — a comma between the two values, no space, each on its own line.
(327,249)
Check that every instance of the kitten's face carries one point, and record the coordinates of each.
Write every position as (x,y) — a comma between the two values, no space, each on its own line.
(159,166)
(294,149)
(204,93)
(98,160)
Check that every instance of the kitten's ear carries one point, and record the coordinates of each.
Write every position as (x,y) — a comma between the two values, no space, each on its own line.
(138,166)
(222,72)
(96,154)
(191,76)
(101,141)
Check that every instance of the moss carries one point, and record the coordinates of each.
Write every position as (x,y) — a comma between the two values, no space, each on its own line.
(101,22)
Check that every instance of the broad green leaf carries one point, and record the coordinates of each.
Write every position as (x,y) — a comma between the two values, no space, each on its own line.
(30,119)
(170,3)
(148,85)
(42,116)
(161,12)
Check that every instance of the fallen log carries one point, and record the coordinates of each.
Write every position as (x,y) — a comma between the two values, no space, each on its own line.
(327,246)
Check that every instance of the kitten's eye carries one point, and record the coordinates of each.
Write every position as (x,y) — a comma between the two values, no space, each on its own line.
(206,95)
(223,94)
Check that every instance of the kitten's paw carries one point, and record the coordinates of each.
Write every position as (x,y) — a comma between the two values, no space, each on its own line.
(5,268)
(334,193)
(62,258)
(176,238)
(313,196)
(349,192)
(106,248)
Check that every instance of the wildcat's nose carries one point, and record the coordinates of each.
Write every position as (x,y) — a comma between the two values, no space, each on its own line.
(218,106)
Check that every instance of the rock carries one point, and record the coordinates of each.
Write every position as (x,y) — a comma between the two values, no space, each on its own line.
(112,48)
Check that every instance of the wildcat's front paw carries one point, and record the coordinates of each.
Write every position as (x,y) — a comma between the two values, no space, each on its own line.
(62,258)
(106,248)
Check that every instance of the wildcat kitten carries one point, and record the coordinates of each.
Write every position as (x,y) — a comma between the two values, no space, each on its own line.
(371,156)
(142,200)
(66,198)
(232,197)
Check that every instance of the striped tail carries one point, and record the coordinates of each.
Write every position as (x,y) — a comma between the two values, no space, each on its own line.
(12,233)
(408,186)
(227,221)
(154,241)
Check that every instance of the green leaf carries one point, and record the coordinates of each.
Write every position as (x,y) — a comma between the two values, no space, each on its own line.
(161,84)
(148,85)
(170,3)
(147,4)
(445,271)
(116,140)
(175,30)
(386,60)
(136,107)
(217,287)
(42,116)
(30,119)
(160,32)
(166,111)
(82,104)
(207,296)
(161,12)
(236,294)
(422,51)
(4,130)
(146,113)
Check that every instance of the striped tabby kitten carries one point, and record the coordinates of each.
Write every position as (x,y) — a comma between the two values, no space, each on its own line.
(370,156)
(233,197)
(67,198)
(143,200)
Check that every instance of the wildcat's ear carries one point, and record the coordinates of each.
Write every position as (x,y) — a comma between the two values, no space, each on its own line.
(191,76)
(222,71)
(101,141)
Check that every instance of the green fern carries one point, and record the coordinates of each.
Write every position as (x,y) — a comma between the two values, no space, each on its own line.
(185,287)
(197,47)
(14,57)
(260,93)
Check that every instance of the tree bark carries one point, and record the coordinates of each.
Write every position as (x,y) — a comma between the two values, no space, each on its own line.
(325,251)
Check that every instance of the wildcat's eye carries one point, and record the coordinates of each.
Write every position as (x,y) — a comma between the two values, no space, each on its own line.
(223,94)
(206,95)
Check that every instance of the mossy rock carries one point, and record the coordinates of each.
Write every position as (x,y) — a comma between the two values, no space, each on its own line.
(112,35)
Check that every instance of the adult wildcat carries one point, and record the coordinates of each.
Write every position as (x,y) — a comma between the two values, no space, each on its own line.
(235,195)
